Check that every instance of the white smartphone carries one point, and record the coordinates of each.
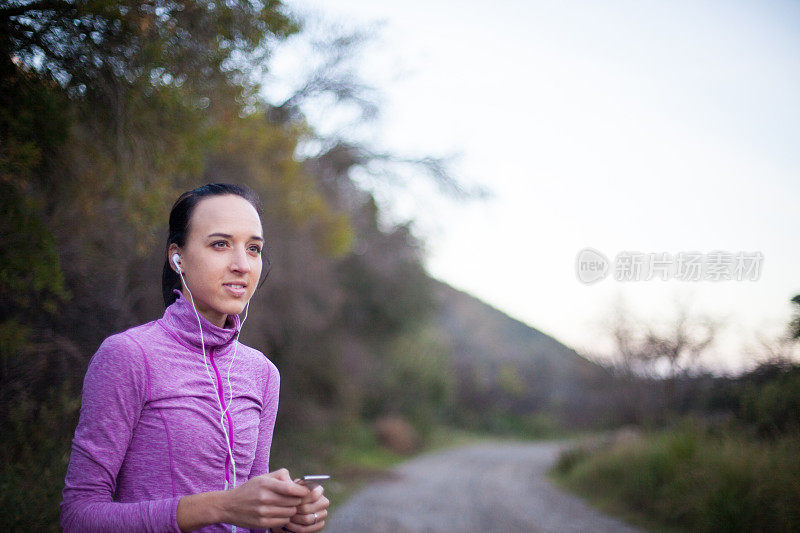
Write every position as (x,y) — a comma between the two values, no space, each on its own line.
(312,480)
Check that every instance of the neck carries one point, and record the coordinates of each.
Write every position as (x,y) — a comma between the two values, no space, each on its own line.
(218,319)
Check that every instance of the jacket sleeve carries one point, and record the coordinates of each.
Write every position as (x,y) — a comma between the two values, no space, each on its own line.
(115,390)
(266,425)
(266,428)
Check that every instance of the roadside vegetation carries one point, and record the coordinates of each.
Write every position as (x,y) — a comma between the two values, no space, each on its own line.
(742,474)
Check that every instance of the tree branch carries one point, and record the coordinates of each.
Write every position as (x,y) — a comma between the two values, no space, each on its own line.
(44,5)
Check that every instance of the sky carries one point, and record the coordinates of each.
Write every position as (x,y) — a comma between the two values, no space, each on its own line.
(621,126)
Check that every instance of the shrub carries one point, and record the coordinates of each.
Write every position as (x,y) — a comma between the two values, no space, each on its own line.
(688,478)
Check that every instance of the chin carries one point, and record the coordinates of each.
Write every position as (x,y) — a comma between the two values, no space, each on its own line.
(236,308)
(230,306)
(233,309)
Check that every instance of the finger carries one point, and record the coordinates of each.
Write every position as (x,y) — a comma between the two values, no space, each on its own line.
(314,495)
(313,507)
(290,488)
(311,519)
(297,528)
(279,511)
(279,500)
(308,498)
(281,474)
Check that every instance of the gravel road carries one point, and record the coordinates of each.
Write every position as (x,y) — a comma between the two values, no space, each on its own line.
(485,487)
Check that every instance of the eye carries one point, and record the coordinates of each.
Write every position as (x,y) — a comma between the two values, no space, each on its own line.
(219,244)
(256,249)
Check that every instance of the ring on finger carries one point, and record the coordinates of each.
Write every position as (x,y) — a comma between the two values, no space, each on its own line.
(315,519)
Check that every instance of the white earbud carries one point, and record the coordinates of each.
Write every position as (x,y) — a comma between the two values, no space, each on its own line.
(176,259)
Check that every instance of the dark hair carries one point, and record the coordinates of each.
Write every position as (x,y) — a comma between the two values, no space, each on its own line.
(179,227)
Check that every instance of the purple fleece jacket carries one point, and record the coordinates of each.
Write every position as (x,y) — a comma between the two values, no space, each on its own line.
(149,429)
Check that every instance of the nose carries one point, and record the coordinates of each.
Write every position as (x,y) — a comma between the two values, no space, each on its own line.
(239,262)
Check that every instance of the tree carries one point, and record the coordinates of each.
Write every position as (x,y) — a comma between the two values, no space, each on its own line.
(95,46)
(794,325)
(653,361)
(682,341)
(629,350)
(781,349)
(667,349)
(108,110)
(325,81)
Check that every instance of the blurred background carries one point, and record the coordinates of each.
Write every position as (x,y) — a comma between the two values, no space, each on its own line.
(431,174)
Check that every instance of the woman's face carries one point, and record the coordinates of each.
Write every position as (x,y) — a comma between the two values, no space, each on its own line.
(221,260)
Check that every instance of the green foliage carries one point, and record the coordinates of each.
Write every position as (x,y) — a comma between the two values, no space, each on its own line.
(387,288)
(255,151)
(30,274)
(32,126)
(32,121)
(773,407)
(498,422)
(794,324)
(509,380)
(694,480)
(34,453)
(415,380)
(95,46)
(13,337)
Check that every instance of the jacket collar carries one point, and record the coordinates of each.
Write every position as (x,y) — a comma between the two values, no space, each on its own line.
(181,321)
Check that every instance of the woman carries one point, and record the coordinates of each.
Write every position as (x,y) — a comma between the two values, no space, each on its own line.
(177,416)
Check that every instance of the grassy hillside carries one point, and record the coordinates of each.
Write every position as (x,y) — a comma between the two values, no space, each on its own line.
(505,368)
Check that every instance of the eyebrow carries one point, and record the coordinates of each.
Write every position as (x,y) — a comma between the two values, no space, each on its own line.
(227,236)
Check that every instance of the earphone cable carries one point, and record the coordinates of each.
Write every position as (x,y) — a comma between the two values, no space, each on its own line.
(208,373)
(230,388)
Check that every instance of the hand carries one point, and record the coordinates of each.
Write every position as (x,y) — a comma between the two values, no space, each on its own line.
(266,501)
(311,513)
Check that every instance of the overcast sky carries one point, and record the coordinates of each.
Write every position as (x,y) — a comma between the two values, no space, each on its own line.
(629,126)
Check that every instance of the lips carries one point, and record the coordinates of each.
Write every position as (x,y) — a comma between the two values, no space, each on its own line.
(236,289)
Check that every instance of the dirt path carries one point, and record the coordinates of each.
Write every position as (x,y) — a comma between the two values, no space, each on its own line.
(485,487)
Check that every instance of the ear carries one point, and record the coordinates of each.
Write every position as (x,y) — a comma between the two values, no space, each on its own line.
(173,249)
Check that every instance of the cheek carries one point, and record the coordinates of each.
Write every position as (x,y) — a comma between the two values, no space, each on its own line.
(206,273)
(254,283)
(256,267)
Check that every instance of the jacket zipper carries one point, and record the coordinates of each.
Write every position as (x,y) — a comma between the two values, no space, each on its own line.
(227,414)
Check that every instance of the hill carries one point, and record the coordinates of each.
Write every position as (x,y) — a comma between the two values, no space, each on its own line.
(502,363)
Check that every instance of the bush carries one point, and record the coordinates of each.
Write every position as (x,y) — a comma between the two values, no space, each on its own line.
(691,479)
(773,407)
(35,446)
